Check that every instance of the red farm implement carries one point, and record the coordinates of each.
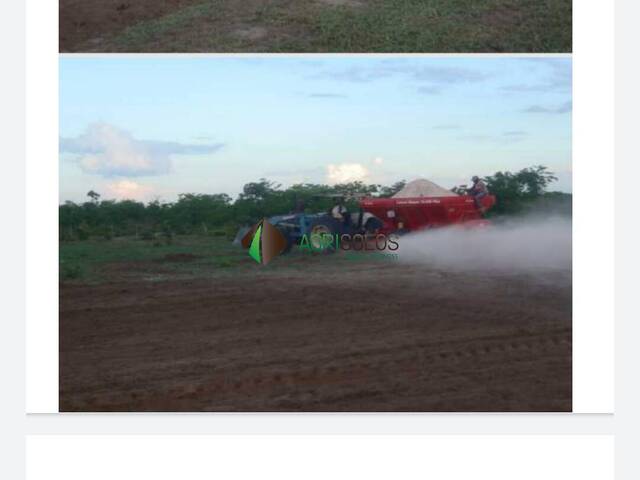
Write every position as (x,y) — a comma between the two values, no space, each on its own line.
(399,215)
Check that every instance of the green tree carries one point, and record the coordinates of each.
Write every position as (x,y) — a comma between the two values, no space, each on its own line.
(94,196)
(514,191)
(388,192)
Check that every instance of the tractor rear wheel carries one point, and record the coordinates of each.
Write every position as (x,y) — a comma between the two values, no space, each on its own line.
(373,225)
(319,231)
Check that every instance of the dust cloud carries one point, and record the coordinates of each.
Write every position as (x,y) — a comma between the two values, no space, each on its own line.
(526,244)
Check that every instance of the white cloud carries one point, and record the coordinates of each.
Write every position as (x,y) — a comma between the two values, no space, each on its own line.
(346,172)
(129,190)
(106,150)
(378,161)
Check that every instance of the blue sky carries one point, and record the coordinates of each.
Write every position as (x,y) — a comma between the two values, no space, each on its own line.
(154,127)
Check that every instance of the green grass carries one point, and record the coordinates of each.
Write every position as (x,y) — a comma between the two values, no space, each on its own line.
(375,26)
(449,26)
(96,261)
(87,260)
(144,35)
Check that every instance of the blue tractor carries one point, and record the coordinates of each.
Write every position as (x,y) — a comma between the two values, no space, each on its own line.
(314,226)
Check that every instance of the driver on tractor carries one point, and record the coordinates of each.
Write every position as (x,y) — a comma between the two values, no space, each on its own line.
(340,212)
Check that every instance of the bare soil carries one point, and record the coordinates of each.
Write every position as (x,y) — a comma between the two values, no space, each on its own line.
(370,337)
(82,20)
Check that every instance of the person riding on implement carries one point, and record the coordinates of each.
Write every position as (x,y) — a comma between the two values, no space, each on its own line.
(478,191)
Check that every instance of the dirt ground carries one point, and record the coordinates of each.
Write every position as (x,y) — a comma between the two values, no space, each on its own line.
(321,337)
(90,21)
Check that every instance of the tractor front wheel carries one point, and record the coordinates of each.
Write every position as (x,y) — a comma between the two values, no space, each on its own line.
(289,239)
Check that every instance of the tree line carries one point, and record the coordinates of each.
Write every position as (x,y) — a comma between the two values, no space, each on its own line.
(219,214)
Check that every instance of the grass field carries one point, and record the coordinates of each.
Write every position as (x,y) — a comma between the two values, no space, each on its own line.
(187,256)
(316,25)
(97,261)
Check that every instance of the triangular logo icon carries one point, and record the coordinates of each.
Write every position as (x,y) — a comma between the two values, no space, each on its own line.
(267,242)
(254,250)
